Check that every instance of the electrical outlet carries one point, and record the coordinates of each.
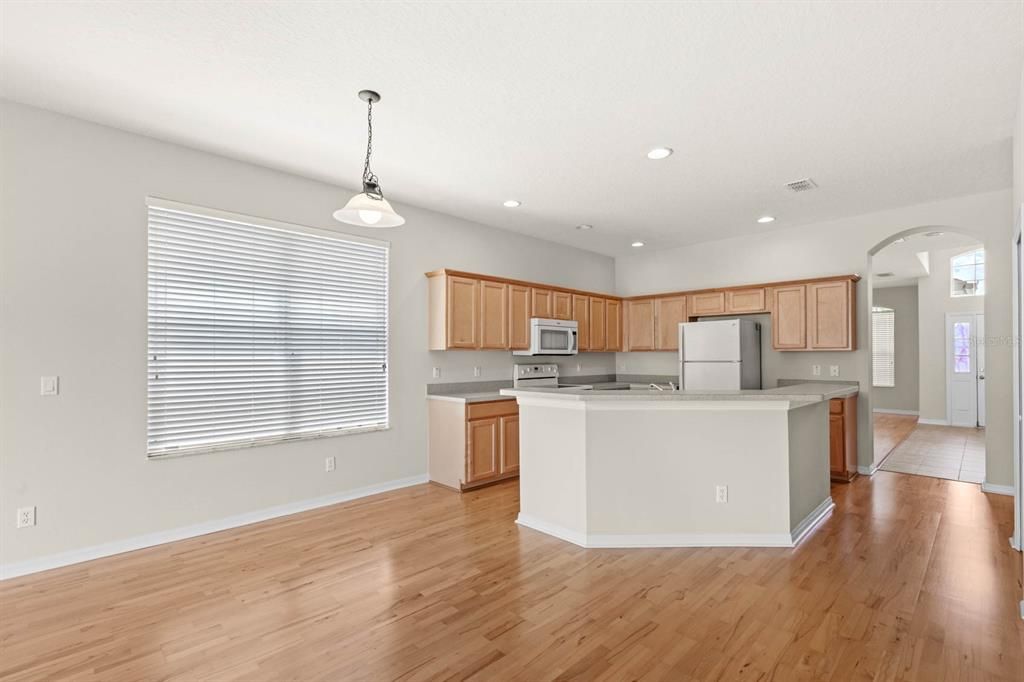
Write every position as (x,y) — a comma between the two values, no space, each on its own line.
(476,371)
(579,366)
(833,370)
(329,464)
(26,517)
(49,385)
(816,370)
(721,494)
(437,372)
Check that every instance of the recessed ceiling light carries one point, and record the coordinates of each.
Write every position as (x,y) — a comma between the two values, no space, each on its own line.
(584,227)
(511,203)
(637,245)
(766,219)
(659,153)
(934,234)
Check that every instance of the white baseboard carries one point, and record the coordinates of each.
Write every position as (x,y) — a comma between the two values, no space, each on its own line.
(885,410)
(628,541)
(995,489)
(934,422)
(811,520)
(75,556)
(868,470)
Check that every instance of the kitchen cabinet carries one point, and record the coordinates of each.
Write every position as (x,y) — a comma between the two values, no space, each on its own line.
(842,438)
(494,320)
(454,315)
(669,312)
(581,313)
(613,324)
(472,444)
(744,301)
(707,303)
(541,303)
(789,317)
(598,330)
(518,316)
(561,305)
(640,325)
(830,315)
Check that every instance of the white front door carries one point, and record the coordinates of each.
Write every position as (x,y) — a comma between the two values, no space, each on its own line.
(979,345)
(962,369)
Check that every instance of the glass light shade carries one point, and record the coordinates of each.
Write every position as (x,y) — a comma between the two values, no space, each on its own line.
(367,212)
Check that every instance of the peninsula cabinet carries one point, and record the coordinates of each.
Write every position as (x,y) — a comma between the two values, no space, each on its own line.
(472,444)
(815,316)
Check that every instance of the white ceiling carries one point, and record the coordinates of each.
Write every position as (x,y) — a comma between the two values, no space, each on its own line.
(555,104)
(904,262)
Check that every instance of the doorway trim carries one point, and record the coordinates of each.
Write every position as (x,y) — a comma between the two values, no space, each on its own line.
(976,367)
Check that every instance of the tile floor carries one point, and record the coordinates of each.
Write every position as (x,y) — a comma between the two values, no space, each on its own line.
(951,452)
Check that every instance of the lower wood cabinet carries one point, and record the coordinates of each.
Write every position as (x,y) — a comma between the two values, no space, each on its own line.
(842,438)
(471,444)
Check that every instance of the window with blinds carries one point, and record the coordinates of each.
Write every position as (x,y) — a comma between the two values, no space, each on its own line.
(883,346)
(261,332)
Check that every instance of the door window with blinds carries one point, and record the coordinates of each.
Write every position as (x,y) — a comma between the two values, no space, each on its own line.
(883,346)
(261,332)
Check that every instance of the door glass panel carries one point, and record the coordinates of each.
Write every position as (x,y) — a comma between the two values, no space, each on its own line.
(554,339)
(962,347)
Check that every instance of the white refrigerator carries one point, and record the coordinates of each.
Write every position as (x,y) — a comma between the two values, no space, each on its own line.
(719,355)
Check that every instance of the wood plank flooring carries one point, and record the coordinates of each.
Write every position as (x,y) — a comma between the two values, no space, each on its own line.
(910,578)
(890,430)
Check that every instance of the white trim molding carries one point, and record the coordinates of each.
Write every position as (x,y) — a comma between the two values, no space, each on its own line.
(632,541)
(868,470)
(996,489)
(934,422)
(75,556)
(886,410)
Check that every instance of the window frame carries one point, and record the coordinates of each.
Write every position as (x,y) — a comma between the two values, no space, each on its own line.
(979,289)
(256,221)
(891,312)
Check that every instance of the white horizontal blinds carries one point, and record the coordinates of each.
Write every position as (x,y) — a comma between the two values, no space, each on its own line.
(259,334)
(883,346)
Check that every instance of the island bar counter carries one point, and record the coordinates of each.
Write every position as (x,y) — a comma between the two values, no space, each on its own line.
(647,468)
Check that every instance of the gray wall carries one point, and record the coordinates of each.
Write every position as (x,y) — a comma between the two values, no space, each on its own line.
(73,276)
(904,395)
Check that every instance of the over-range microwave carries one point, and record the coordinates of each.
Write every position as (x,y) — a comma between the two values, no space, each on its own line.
(551,337)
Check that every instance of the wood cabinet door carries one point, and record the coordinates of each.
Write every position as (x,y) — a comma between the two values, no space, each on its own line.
(830,315)
(836,445)
(509,461)
(613,318)
(789,317)
(745,301)
(494,325)
(668,314)
(640,324)
(463,312)
(598,330)
(712,303)
(518,317)
(483,439)
(581,313)
(561,305)
(540,302)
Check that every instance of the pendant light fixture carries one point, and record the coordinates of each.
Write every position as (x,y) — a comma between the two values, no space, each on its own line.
(369,208)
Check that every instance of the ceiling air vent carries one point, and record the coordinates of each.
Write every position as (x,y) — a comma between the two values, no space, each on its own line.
(886,274)
(804,185)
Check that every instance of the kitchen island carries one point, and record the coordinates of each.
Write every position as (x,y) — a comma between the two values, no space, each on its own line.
(649,468)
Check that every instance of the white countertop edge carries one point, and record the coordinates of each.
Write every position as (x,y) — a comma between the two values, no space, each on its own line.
(609,404)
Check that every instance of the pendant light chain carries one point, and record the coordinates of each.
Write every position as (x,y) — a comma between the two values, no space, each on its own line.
(369,178)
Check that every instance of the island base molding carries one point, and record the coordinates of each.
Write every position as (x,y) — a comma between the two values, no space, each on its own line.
(665,540)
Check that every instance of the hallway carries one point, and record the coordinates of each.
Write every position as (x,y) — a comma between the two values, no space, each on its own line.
(950,452)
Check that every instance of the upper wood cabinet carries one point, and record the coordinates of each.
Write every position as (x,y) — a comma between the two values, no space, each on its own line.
(541,303)
(581,313)
(518,316)
(707,303)
(740,301)
(494,323)
(669,312)
(830,315)
(561,305)
(640,328)
(598,330)
(456,309)
(789,317)
(613,324)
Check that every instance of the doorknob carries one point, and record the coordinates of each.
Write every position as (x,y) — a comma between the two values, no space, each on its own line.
(981,377)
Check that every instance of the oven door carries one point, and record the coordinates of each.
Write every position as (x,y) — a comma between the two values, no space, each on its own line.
(553,340)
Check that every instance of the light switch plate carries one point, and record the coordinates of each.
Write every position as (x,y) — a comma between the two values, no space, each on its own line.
(49,385)
(437,372)
(476,371)
(329,464)
(816,370)
(26,517)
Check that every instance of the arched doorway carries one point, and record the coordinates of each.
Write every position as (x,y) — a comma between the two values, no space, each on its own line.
(926,392)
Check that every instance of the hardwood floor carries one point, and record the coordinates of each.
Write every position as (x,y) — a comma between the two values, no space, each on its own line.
(911,578)
(890,430)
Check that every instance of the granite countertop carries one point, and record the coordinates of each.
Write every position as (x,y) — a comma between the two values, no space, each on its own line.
(482,397)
